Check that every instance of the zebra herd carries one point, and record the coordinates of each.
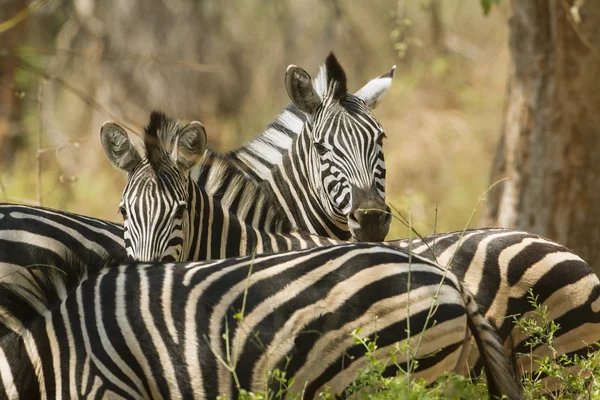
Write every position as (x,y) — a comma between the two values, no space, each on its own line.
(238,267)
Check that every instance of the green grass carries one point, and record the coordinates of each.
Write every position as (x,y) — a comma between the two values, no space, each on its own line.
(371,384)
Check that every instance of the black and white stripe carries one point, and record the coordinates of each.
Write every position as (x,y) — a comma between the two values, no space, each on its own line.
(322,158)
(501,266)
(157,330)
(169,217)
(35,235)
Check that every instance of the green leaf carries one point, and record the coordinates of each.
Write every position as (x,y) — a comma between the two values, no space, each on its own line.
(487,5)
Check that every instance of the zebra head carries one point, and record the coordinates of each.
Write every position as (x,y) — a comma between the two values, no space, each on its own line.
(343,146)
(155,200)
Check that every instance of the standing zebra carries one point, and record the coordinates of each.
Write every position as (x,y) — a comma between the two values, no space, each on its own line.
(167,216)
(171,331)
(491,261)
(501,266)
(322,158)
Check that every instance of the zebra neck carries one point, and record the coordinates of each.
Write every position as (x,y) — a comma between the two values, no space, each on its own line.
(265,151)
(229,215)
(308,209)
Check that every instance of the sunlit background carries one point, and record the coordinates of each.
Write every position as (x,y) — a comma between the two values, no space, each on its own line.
(71,65)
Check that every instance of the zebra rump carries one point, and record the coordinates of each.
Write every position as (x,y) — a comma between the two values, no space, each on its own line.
(501,267)
(152,330)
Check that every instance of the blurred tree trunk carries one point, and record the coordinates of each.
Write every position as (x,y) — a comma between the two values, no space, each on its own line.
(437,27)
(550,142)
(10,102)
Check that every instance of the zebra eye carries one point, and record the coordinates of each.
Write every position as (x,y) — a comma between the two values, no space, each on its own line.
(123,212)
(322,150)
(180,210)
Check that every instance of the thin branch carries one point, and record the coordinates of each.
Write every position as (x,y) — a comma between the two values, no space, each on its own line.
(87,99)
(577,29)
(21,15)
(38,155)
(142,58)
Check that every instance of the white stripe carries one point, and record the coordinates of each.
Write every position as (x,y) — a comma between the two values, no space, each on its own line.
(36,362)
(86,340)
(71,347)
(166,297)
(55,352)
(161,349)
(8,382)
(108,347)
(128,333)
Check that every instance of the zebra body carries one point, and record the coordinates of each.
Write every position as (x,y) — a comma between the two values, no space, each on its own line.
(501,266)
(158,330)
(322,158)
(35,235)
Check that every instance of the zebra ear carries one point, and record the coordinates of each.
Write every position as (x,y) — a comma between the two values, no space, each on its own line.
(299,86)
(118,147)
(374,91)
(189,147)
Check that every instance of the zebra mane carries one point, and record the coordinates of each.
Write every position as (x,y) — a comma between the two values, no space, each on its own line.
(331,80)
(158,136)
(228,182)
(270,145)
(47,285)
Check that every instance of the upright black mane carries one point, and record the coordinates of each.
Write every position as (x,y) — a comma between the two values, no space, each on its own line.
(335,73)
(158,136)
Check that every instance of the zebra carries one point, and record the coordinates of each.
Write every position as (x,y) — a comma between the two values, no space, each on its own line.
(322,158)
(530,251)
(168,216)
(36,235)
(564,283)
(276,139)
(174,330)
(501,266)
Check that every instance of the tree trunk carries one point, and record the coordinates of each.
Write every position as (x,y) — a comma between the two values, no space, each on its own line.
(550,142)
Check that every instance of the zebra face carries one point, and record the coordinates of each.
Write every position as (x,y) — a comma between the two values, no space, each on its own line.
(156,200)
(155,213)
(343,143)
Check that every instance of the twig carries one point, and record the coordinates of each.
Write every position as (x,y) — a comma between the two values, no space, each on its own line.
(409,362)
(2,187)
(38,155)
(577,30)
(142,58)
(21,15)
(87,99)
(449,264)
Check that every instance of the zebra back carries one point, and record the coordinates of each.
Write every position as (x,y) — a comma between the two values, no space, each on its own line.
(502,267)
(170,330)
(36,235)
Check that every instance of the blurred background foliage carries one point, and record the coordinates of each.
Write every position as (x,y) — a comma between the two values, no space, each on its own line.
(71,65)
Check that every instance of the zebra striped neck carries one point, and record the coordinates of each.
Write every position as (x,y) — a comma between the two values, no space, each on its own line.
(229,184)
(273,159)
(231,215)
(264,152)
